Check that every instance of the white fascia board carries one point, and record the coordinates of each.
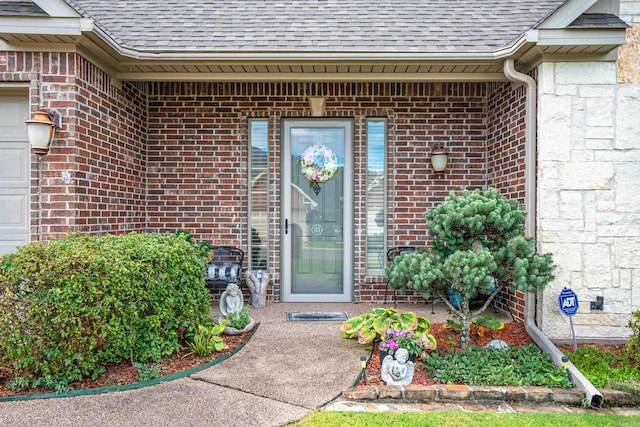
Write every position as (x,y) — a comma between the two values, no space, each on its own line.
(303,77)
(567,13)
(57,8)
(582,37)
(41,25)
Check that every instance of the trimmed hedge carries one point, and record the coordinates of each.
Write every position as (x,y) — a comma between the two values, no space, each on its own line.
(71,306)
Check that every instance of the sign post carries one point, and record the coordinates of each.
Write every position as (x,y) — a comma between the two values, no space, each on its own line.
(568,301)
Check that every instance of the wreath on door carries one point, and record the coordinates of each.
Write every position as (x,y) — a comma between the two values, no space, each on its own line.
(319,163)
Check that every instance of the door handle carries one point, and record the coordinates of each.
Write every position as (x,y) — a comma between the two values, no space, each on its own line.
(286,226)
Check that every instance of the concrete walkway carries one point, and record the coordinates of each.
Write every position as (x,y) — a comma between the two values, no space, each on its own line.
(287,370)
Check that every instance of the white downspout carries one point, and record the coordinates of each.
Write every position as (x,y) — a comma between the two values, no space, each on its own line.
(593,395)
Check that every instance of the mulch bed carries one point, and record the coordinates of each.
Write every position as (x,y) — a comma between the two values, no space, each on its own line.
(120,374)
(447,339)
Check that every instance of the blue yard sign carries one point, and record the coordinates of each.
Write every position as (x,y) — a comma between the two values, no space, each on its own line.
(568,301)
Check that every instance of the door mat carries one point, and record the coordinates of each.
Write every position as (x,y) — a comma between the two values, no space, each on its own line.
(310,316)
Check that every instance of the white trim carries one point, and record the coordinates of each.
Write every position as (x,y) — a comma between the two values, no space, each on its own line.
(56,8)
(347,255)
(567,13)
(41,25)
(306,77)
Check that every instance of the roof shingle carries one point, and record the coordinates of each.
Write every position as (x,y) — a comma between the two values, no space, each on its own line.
(299,26)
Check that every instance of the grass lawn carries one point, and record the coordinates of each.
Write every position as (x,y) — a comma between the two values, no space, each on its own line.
(461,419)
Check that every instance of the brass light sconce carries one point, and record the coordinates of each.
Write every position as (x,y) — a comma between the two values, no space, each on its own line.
(42,128)
(439,158)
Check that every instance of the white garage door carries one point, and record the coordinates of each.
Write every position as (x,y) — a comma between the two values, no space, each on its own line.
(14,170)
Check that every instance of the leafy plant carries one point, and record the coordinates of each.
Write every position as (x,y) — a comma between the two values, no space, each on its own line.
(478,326)
(633,345)
(72,306)
(605,369)
(524,366)
(207,340)
(238,319)
(477,249)
(370,327)
(146,372)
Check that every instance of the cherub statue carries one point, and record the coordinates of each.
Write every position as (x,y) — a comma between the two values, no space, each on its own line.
(231,299)
(398,371)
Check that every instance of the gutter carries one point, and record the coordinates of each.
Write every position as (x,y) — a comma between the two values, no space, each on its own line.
(593,396)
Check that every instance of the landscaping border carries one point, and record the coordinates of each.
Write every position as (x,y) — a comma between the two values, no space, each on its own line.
(134,386)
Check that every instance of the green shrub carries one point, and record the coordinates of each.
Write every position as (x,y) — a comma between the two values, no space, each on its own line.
(633,345)
(69,307)
(525,366)
(238,319)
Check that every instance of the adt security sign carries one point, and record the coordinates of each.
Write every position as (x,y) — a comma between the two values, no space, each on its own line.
(568,302)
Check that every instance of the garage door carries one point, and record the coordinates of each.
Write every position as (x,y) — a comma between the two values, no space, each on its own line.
(14,170)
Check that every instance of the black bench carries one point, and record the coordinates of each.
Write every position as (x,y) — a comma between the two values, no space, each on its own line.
(225,267)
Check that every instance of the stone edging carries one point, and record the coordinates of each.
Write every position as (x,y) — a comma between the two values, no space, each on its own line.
(457,392)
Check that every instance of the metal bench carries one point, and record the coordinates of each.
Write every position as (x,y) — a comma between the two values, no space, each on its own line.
(225,267)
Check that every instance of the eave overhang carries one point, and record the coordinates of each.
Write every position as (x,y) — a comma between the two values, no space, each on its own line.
(124,63)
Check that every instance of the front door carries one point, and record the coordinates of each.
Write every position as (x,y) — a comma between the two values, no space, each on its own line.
(317,210)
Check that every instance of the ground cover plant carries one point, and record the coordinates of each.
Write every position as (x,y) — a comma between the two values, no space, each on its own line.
(477,251)
(614,367)
(71,307)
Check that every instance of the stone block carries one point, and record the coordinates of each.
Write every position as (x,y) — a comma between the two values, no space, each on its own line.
(454,392)
(539,394)
(487,393)
(554,128)
(595,318)
(586,73)
(545,78)
(515,394)
(598,92)
(598,144)
(619,398)
(571,205)
(627,194)
(627,252)
(391,392)
(605,201)
(566,255)
(568,396)
(597,259)
(627,123)
(599,132)
(599,111)
(361,393)
(586,175)
(420,393)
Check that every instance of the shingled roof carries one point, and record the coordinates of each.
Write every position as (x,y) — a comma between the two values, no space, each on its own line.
(299,26)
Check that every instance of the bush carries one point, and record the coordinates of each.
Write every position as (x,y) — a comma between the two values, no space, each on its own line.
(70,307)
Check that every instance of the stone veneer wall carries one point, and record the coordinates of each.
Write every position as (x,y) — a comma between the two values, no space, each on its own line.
(588,198)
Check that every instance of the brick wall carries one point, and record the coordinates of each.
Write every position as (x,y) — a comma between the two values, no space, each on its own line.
(198,149)
(506,159)
(164,156)
(101,145)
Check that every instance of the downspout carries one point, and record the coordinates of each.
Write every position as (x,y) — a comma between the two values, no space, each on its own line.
(593,395)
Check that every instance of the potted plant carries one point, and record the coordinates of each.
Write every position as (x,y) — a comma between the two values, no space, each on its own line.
(237,322)
(395,339)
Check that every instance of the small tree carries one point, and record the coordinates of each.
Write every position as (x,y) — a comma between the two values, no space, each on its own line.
(478,250)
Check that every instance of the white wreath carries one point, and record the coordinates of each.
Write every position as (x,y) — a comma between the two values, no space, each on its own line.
(319,163)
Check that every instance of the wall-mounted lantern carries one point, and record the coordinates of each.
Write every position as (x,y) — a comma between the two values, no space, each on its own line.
(42,128)
(439,158)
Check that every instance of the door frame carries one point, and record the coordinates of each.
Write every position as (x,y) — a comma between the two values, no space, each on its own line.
(285,209)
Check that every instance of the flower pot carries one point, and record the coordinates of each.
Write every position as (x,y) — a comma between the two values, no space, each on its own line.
(228,330)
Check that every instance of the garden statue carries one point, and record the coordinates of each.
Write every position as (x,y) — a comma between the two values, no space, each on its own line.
(231,299)
(257,283)
(398,371)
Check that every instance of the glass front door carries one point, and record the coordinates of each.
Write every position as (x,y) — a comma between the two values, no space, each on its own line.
(317,210)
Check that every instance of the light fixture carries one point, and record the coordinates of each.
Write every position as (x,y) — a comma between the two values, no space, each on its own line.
(316,104)
(439,158)
(42,128)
